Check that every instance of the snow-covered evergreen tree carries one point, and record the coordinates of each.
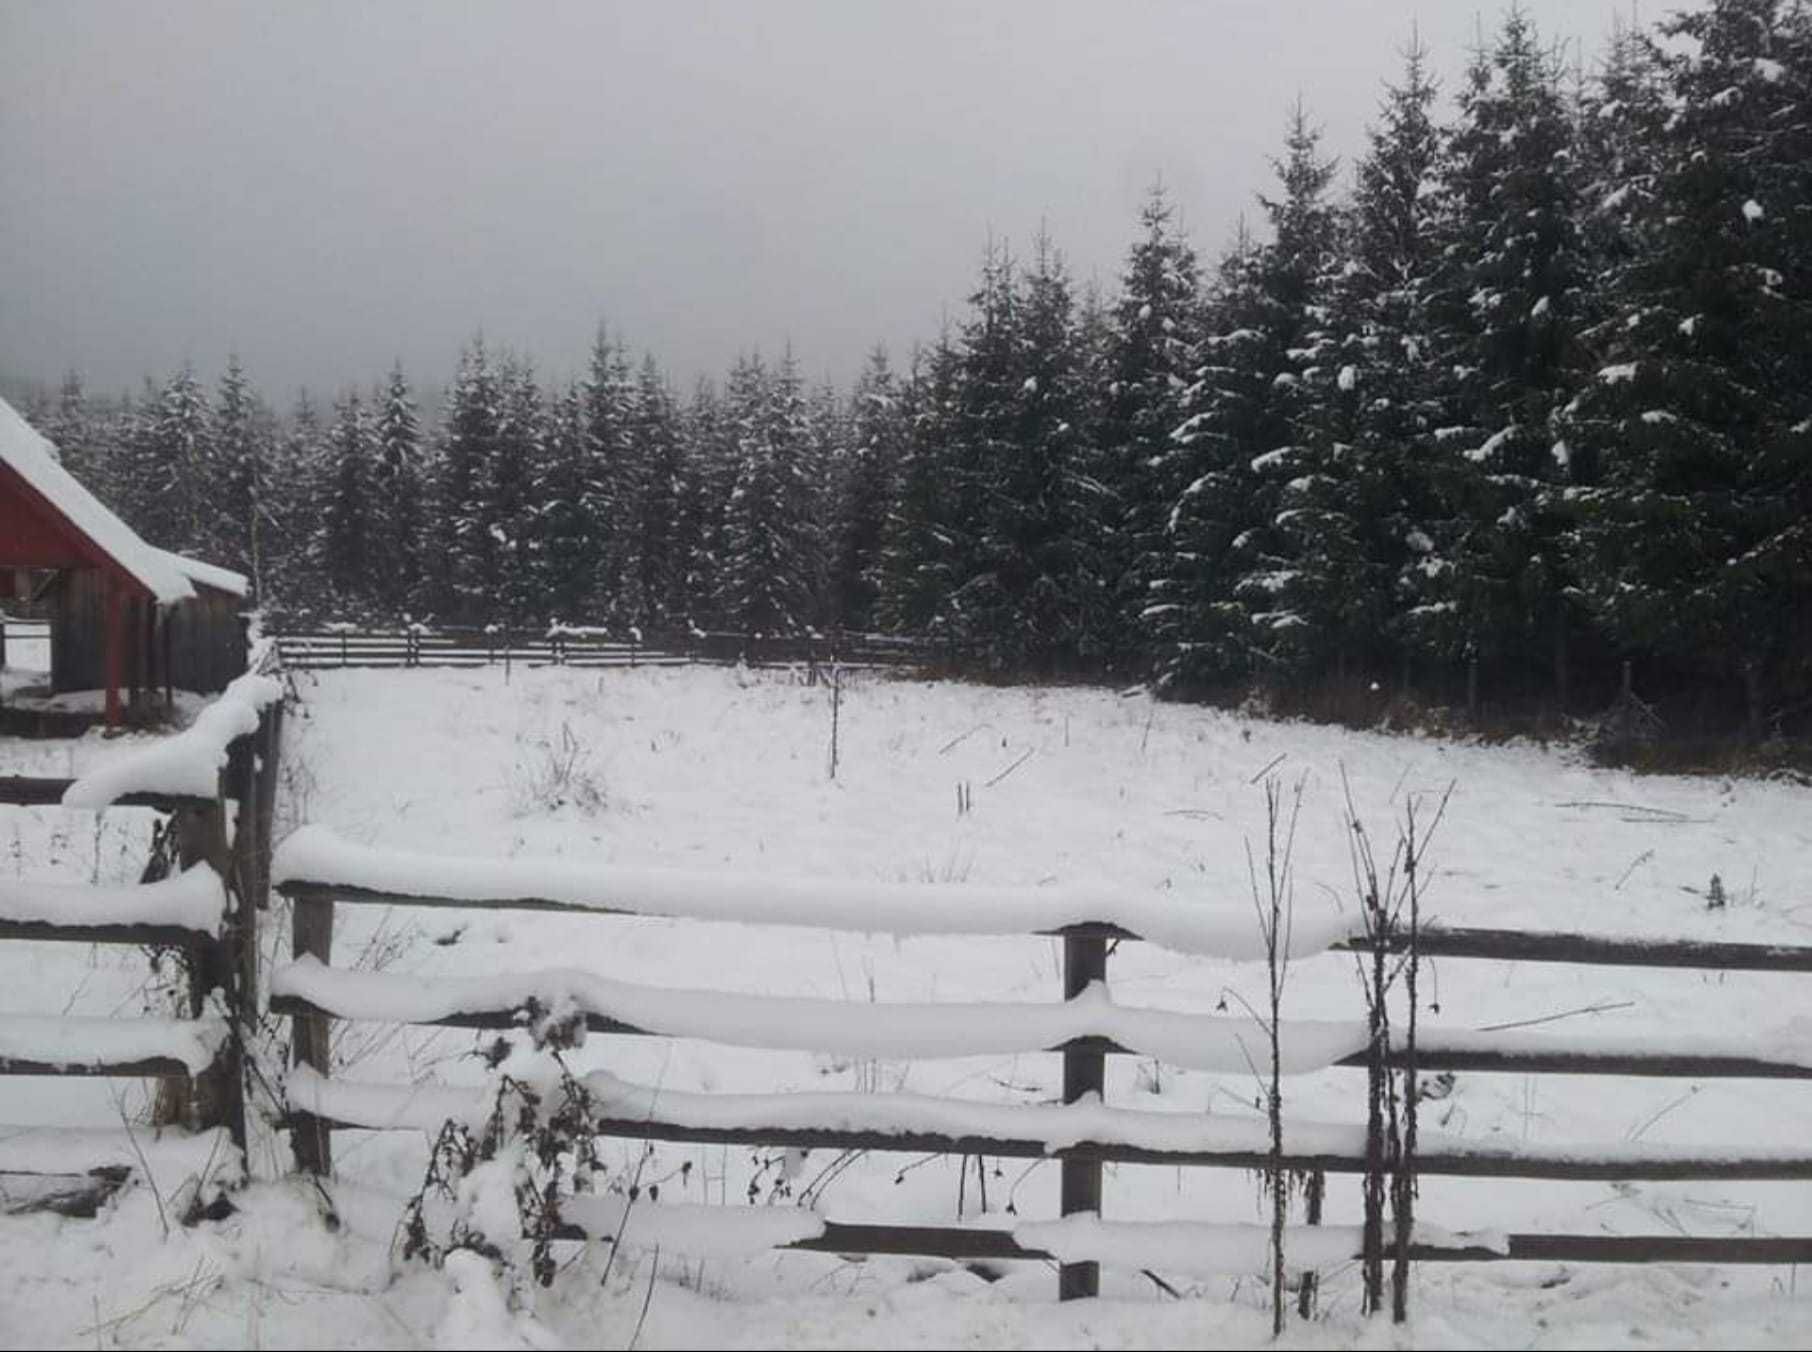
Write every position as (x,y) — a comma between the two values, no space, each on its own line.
(1697,549)
(768,565)
(342,541)
(166,478)
(916,573)
(459,584)
(1152,349)
(1507,307)
(235,499)
(864,488)
(397,485)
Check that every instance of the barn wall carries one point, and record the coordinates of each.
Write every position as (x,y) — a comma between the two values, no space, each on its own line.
(78,632)
(205,640)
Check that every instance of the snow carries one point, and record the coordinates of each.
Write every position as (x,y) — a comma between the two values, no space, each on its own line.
(1618,373)
(74,1040)
(719,772)
(194,900)
(33,459)
(1196,1249)
(318,855)
(1493,444)
(169,1155)
(914,1031)
(1053,1127)
(188,763)
(691,1227)
(207,574)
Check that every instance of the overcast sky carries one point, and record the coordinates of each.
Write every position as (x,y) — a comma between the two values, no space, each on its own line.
(325,187)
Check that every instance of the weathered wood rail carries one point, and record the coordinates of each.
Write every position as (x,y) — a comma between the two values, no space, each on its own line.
(222,841)
(320,1107)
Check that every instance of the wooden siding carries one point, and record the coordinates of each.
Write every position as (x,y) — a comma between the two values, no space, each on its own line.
(204,639)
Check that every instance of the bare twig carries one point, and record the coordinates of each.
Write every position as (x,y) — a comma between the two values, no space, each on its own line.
(1552,1018)
(1030,752)
(960,738)
(1274,762)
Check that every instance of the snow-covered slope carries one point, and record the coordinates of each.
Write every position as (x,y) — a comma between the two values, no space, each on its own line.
(710,771)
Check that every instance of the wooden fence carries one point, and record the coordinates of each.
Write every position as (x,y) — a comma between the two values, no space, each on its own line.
(315,996)
(343,646)
(198,897)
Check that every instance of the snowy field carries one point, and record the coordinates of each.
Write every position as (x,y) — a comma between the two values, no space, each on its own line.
(724,771)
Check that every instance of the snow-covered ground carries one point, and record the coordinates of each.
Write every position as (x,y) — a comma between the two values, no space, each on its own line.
(720,771)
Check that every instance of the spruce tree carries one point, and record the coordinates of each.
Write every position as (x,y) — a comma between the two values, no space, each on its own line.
(864,488)
(397,476)
(1696,549)
(916,573)
(240,447)
(458,586)
(1507,305)
(342,541)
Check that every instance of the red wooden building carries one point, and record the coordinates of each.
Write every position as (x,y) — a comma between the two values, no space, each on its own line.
(124,615)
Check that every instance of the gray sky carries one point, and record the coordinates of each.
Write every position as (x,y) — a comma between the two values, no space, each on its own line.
(328,186)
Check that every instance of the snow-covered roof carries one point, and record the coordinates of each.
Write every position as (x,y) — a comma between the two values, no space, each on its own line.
(207,574)
(30,456)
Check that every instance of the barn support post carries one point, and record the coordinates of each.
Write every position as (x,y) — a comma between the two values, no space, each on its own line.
(1084,1073)
(116,648)
(169,681)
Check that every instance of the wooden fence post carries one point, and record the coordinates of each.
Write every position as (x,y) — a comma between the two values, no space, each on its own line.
(311,1042)
(1084,1072)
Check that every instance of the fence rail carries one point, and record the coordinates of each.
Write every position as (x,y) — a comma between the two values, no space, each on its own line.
(223,842)
(314,650)
(321,1105)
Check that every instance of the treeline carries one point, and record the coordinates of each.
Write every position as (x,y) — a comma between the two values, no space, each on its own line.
(1533,397)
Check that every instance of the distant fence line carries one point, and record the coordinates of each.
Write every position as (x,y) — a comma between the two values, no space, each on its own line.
(562,646)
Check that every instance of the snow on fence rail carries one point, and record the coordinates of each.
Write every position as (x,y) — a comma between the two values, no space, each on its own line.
(217,779)
(318,870)
(565,645)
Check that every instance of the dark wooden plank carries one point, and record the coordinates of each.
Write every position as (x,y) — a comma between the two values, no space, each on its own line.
(146,1068)
(1432,1164)
(33,791)
(1501,945)
(985,1245)
(137,936)
(1605,951)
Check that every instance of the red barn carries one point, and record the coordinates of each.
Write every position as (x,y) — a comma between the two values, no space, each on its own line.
(123,613)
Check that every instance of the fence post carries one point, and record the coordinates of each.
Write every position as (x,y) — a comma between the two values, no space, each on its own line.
(311,1044)
(1084,1072)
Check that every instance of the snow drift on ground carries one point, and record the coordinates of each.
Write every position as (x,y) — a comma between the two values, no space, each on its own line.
(714,771)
